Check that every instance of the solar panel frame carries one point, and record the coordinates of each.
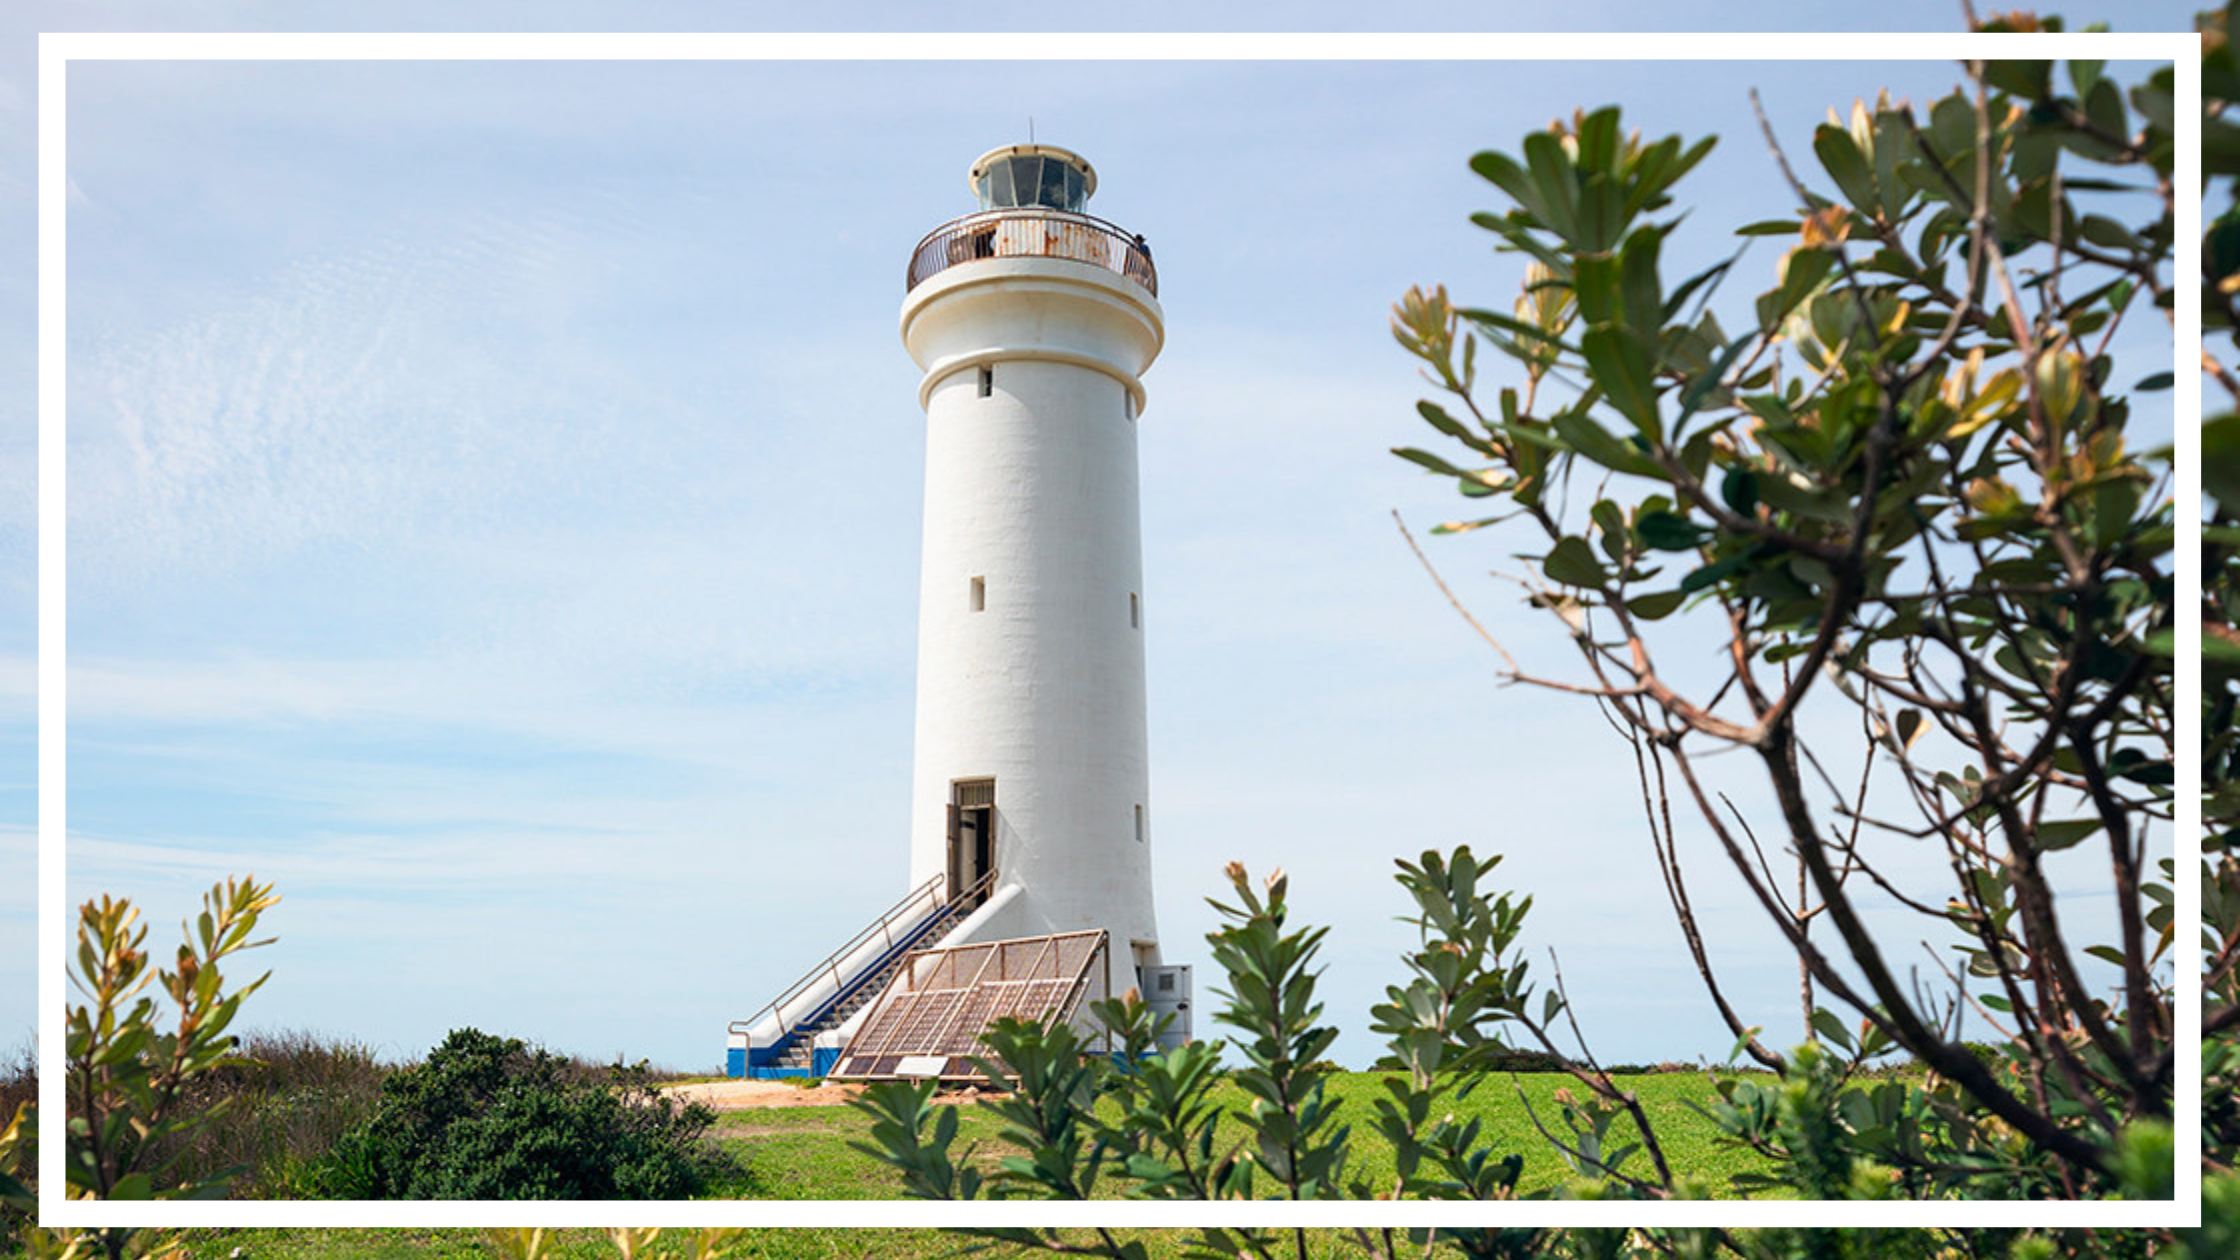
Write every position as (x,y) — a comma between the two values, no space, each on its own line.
(941,1002)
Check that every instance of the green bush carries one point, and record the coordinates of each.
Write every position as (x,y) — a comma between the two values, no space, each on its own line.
(1507,1060)
(488,1117)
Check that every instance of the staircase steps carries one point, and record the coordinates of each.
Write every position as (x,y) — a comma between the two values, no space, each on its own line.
(795,1050)
(800,1050)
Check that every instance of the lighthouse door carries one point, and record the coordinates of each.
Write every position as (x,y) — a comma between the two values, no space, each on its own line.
(972,836)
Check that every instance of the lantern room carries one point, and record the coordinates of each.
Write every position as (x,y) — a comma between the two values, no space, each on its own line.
(1033,177)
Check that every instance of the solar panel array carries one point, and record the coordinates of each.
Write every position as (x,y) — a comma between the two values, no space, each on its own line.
(930,1020)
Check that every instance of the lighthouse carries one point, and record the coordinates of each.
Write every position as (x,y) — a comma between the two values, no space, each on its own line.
(1030,808)
(1034,323)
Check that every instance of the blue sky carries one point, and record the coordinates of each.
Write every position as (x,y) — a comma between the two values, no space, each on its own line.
(494,496)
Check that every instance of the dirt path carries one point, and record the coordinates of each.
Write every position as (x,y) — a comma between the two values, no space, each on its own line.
(754,1095)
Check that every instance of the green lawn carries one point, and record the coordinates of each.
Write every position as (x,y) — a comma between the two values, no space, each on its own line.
(803,1152)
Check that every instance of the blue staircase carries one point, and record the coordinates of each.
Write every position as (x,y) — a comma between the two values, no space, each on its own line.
(916,921)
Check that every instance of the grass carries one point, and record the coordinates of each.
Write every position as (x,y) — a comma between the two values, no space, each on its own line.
(281,1101)
(293,1094)
(285,1098)
(804,1152)
(278,1106)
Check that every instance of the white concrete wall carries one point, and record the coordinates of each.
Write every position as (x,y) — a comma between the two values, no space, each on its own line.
(1033,490)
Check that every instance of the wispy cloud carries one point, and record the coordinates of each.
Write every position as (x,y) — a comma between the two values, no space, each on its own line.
(323,405)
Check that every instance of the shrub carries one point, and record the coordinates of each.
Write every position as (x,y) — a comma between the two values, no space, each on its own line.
(1938,573)
(128,1079)
(488,1117)
(130,1083)
(1507,1060)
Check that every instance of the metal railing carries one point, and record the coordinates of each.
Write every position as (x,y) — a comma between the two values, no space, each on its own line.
(882,927)
(1032,234)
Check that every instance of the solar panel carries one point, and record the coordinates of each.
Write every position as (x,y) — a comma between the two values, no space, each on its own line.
(931,1017)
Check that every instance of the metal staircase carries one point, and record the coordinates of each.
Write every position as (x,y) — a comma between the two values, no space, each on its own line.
(905,926)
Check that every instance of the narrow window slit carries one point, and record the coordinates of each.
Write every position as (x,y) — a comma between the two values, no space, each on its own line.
(987,380)
(979,594)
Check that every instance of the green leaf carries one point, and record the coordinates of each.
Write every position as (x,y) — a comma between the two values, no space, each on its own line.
(1572,563)
(1428,460)
(1910,727)
(2106,232)
(1642,286)
(1839,156)
(1802,270)
(1829,1026)
(2220,460)
(1438,418)
(1505,174)
(1739,490)
(2103,107)
(1713,572)
(1657,605)
(1598,445)
(2138,767)
(1667,531)
(2107,954)
(1555,187)
(1517,328)
(2065,833)
(1622,366)
(2030,79)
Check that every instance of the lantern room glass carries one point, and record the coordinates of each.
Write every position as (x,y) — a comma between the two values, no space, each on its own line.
(1033,181)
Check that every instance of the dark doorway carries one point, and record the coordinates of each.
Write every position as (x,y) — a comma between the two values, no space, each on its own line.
(972,838)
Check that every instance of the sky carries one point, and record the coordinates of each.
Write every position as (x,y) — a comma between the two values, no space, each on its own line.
(494,492)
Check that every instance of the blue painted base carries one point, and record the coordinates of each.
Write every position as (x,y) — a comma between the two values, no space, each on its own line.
(756,1067)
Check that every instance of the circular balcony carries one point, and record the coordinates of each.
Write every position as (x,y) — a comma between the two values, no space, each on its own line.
(1032,234)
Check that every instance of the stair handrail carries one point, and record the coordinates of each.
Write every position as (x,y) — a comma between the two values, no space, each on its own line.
(883,926)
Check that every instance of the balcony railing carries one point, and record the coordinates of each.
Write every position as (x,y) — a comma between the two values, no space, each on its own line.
(1032,234)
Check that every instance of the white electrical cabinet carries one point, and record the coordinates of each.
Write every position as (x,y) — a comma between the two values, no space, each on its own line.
(1166,990)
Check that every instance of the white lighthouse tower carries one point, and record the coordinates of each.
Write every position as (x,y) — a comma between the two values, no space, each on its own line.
(1034,324)
(1030,823)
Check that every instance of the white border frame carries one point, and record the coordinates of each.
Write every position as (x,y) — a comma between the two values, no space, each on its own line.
(57,51)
